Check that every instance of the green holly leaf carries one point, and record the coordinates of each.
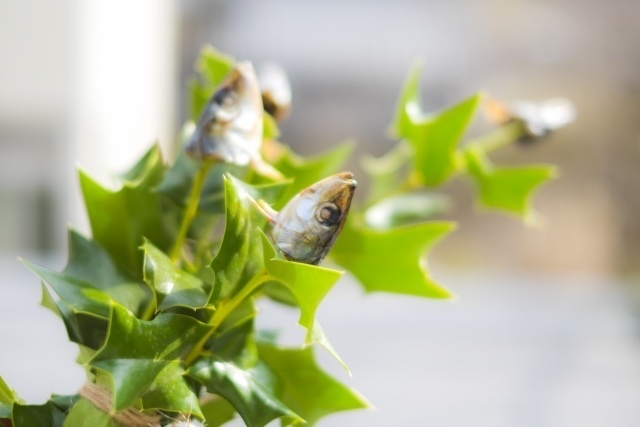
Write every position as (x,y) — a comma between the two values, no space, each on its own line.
(308,170)
(392,260)
(249,391)
(7,397)
(173,286)
(46,415)
(237,342)
(169,392)
(120,219)
(306,388)
(433,137)
(85,414)
(240,256)
(308,284)
(408,108)
(137,355)
(217,411)
(435,140)
(85,290)
(508,189)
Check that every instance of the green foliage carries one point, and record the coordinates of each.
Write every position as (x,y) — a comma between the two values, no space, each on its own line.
(166,325)
(506,188)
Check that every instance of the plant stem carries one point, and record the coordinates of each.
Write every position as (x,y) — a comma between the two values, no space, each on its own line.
(500,137)
(191,210)
(223,310)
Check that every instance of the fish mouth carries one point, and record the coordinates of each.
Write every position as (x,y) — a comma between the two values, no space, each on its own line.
(347,178)
(340,189)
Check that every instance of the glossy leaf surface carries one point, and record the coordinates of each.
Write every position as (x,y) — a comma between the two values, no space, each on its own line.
(249,391)
(240,255)
(173,287)
(87,287)
(137,351)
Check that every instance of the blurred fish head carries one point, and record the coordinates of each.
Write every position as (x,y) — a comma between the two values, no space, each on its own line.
(538,118)
(306,228)
(230,127)
(276,90)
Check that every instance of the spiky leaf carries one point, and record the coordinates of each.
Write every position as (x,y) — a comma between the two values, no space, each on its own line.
(249,391)
(121,218)
(304,386)
(508,189)
(173,286)
(392,260)
(87,287)
(136,352)
(240,256)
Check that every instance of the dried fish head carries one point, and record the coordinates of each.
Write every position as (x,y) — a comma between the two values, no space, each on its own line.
(230,127)
(306,228)
(276,90)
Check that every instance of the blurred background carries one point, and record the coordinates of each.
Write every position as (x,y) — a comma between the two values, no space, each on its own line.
(544,332)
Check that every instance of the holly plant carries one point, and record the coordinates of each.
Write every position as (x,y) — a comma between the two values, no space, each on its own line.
(161,298)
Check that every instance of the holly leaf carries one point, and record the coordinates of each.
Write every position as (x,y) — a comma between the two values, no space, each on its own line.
(308,284)
(217,411)
(306,388)
(240,256)
(85,290)
(173,286)
(433,137)
(237,342)
(408,108)
(7,397)
(137,355)
(135,211)
(308,170)
(435,140)
(509,189)
(169,392)
(269,127)
(84,412)
(45,415)
(392,260)
(249,391)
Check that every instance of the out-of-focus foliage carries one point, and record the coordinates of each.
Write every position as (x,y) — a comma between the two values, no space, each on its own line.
(166,323)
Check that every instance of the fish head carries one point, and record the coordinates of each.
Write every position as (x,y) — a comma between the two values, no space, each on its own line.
(230,127)
(307,227)
(276,90)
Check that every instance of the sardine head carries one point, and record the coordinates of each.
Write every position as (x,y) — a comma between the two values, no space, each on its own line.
(230,127)
(309,224)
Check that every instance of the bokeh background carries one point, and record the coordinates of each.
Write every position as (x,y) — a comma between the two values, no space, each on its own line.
(544,332)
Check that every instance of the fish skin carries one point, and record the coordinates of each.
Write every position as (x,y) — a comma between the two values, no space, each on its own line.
(306,228)
(230,126)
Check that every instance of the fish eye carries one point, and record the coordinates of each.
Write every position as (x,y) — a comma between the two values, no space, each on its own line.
(226,98)
(328,213)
